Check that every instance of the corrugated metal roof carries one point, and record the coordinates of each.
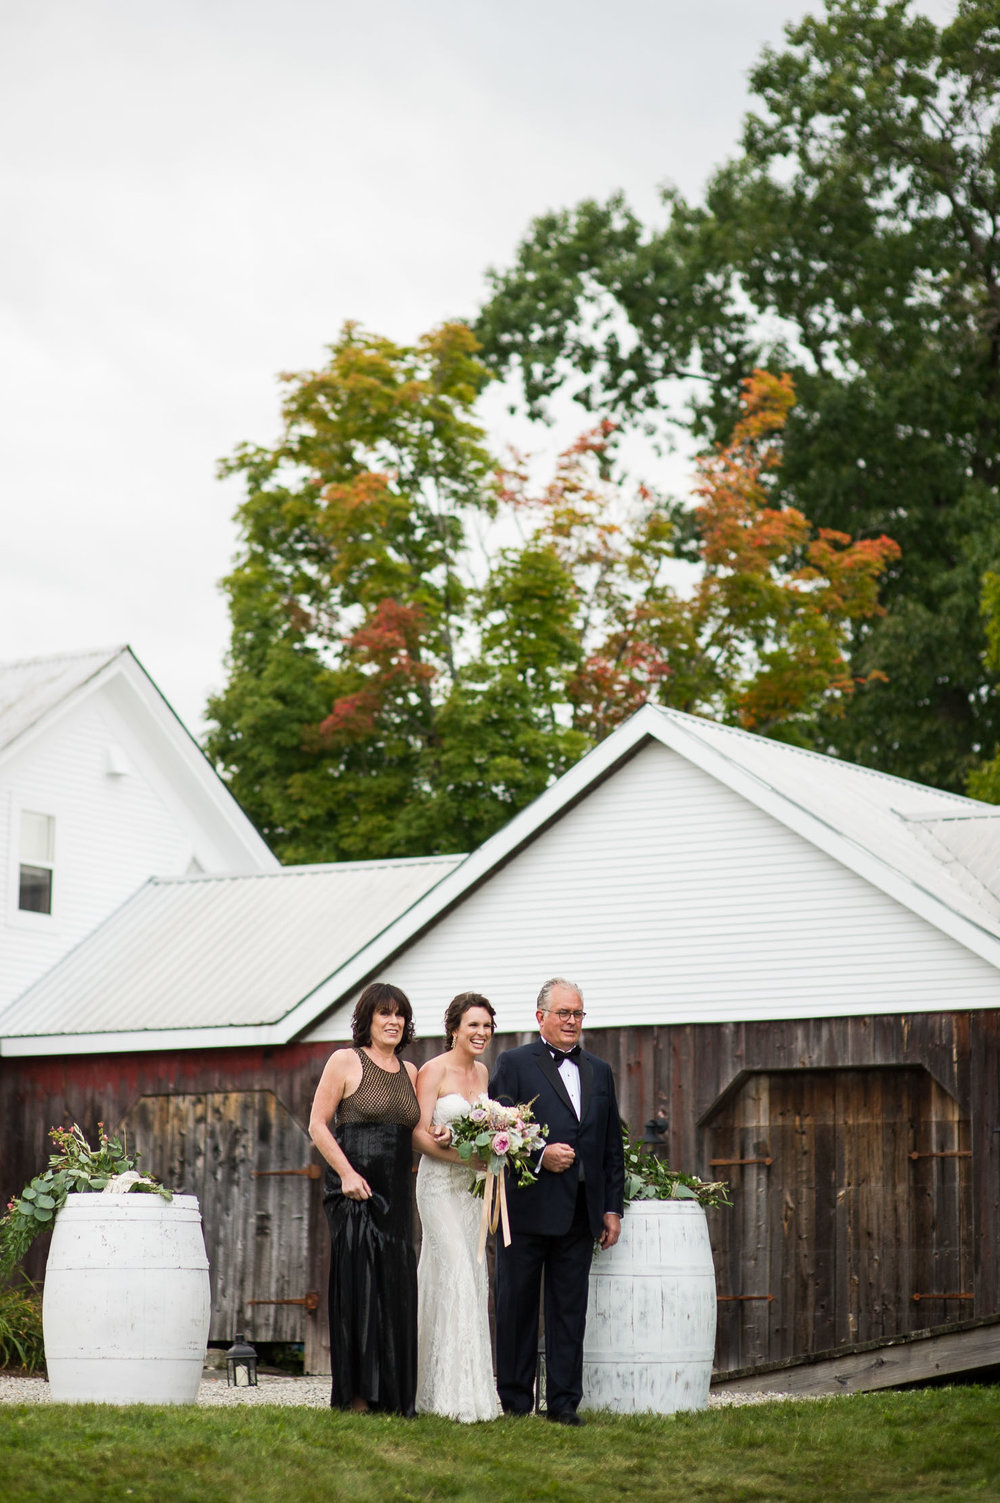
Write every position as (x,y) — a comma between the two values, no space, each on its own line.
(216,952)
(946,844)
(31,688)
(972,842)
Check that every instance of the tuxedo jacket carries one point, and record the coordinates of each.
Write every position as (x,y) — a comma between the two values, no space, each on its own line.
(546,1208)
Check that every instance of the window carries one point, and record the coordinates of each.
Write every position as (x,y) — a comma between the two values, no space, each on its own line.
(38,843)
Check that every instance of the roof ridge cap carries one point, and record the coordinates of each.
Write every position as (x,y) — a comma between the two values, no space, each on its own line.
(810,752)
(66,657)
(309,869)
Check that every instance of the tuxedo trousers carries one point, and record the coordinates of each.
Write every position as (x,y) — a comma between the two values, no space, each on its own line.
(565,1262)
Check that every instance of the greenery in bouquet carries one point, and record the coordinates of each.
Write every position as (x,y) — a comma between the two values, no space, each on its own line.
(648,1177)
(501,1137)
(75,1167)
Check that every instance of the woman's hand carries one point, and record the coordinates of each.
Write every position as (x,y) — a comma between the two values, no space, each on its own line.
(355,1186)
(441,1135)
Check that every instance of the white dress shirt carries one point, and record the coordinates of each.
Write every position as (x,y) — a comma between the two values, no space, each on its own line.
(569,1074)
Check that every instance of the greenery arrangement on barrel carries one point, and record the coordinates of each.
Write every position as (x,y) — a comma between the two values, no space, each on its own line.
(648,1177)
(74,1168)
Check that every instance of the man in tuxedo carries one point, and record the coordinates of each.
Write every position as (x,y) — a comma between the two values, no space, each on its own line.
(577,1198)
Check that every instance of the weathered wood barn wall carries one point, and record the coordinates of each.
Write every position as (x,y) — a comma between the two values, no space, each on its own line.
(863,1155)
(212,1123)
(864,1160)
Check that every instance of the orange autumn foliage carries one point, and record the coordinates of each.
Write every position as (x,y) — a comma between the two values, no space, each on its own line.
(761,639)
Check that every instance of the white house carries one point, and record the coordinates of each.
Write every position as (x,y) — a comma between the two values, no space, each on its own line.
(101,787)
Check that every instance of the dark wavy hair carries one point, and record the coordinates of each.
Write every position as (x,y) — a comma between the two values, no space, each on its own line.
(458,1007)
(381,997)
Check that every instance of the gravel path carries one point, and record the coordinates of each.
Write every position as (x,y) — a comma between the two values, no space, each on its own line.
(313,1393)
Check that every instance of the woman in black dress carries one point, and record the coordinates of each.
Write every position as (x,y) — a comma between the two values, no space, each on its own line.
(367,1093)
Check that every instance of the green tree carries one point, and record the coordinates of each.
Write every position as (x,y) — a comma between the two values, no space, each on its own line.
(853,241)
(387,697)
(984,781)
(354,723)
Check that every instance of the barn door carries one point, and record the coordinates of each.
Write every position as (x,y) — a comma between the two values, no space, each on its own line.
(250,1163)
(852,1211)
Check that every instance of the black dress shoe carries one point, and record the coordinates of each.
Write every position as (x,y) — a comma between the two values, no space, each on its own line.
(565,1417)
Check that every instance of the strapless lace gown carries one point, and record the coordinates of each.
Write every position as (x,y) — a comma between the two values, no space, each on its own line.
(454,1362)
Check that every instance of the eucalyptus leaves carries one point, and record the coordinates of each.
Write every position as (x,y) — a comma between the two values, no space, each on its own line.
(650,1178)
(75,1167)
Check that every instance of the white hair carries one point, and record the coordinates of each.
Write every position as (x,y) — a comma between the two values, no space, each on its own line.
(549,987)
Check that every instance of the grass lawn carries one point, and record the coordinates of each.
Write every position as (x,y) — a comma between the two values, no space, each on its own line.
(936,1444)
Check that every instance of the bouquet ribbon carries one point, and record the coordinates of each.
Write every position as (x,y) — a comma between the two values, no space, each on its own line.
(494,1209)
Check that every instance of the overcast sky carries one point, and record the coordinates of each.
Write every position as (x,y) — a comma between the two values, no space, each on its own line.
(196,195)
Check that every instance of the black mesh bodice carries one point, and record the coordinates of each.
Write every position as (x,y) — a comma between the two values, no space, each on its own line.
(381,1097)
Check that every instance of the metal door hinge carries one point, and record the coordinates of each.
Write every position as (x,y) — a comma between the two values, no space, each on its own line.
(727,1298)
(310,1300)
(311,1171)
(727,1163)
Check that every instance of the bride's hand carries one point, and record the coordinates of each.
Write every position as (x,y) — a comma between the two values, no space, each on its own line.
(441,1136)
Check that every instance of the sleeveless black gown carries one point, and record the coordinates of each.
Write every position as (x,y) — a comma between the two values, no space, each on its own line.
(373,1271)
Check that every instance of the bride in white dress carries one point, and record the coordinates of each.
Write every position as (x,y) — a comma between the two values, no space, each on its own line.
(454,1361)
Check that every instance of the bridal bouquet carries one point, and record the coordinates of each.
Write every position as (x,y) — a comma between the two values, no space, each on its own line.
(504,1137)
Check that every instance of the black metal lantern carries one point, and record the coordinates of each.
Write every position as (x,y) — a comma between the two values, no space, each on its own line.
(241,1364)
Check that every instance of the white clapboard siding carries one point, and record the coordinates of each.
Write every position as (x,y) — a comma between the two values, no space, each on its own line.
(88,739)
(670,898)
(111,832)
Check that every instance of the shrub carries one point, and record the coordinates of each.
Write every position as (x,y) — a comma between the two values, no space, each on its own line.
(20,1325)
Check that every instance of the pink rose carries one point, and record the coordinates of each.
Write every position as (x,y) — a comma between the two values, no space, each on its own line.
(501,1144)
(477,1114)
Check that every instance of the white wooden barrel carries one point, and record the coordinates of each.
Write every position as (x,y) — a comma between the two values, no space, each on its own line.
(651,1314)
(126,1302)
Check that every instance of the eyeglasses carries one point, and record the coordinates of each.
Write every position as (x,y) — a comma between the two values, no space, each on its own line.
(565,1016)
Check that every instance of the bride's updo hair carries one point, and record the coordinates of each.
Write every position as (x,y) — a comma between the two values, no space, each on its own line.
(458,1007)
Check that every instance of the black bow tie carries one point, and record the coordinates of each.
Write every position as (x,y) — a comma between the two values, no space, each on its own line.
(560,1054)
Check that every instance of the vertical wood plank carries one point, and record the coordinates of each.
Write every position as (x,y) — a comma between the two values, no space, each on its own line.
(984,1189)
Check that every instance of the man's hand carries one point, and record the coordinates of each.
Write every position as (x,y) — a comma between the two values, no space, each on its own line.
(612,1230)
(558,1157)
